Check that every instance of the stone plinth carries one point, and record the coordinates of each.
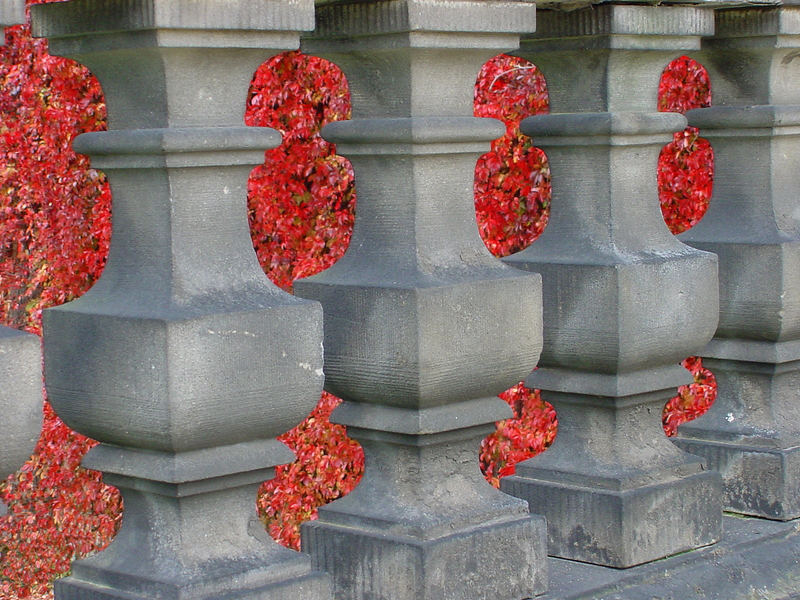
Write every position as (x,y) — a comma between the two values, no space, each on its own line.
(752,432)
(423,327)
(184,361)
(624,301)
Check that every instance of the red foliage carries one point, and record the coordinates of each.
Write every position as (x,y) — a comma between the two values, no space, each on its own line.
(530,432)
(686,166)
(685,178)
(512,181)
(55,224)
(302,200)
(692,400)
(54,237)
(58,512)
(328,465)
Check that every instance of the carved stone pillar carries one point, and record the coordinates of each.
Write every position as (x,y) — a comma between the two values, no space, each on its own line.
(183,360)
(752,432)
(20,358)
(624,301)
(423,327)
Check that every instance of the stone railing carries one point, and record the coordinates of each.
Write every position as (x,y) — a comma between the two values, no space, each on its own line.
(185,362)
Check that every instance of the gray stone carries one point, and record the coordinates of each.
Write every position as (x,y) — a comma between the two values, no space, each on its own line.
(610,58)
(756,559)
(624,301)
(751,434)
(423,327)
(20,399)
(184,361)
(12,12)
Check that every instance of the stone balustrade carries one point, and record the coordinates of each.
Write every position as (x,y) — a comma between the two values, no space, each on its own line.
(185,362)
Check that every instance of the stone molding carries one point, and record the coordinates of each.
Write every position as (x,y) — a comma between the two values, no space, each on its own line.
(351,19)
(102,16)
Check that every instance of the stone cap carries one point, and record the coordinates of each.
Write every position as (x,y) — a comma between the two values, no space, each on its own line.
(580,125)
(733,24)
(624,18)
(12,12)
(344,18)
(177,147)
(569,5)
(78,17)
(737,118)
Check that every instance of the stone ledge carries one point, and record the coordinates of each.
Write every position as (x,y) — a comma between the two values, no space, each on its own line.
(80,17)
(624,19)
(756,558)
(345,19)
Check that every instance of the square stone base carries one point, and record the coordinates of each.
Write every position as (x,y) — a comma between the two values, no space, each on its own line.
(95,584)
(756,559)
(763,482)
(623,528)
(499,561)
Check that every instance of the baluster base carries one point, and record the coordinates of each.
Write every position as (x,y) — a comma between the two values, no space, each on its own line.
(750,434)
(756,481)
(612,488)
(190,532)
(424,524)
(623,528)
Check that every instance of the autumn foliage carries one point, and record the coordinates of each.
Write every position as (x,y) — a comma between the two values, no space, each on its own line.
(55,228)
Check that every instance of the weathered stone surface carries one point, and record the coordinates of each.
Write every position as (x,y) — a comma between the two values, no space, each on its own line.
(614,490)
(572,5)
(624,301)
(422,325)
(609,58)
(20,399)
(755,559)
(751,434)
(418,528)
(183,360)
(12,12)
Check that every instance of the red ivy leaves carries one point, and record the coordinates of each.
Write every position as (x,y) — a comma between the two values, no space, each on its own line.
(328,465)
(692,400)
(686,166)
(685,178)
(512,181)
(302,200)
(55,210)
(58,512)
(530,432)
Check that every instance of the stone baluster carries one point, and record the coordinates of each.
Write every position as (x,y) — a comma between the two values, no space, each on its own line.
(752,432)
(423,327)
(624,301)
(184,361)
(20,358)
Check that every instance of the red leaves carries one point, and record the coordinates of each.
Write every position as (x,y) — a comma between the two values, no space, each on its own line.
(302,200)
(686,166)
(328,465)
(530,432)
(692,400)
(58,512)
(512,181)
(56,210)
